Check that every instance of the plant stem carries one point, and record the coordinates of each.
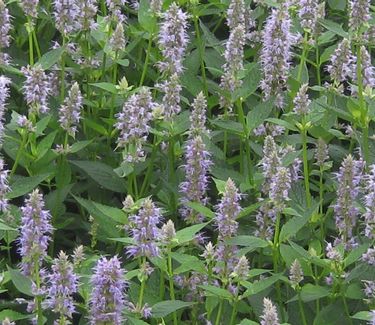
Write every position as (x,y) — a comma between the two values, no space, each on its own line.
(317,60)
(39,310)
(303,57)
(62,75)
(347,310)
(147,59)
(219,312)
(171,286)
(305,165)
(143,284)
(234,312)
(302,311)
(19,153)
(36,44)
(201,54)
(31,47)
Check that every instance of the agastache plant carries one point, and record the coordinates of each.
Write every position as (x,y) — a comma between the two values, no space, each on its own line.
(36,89)
(269,316)
(107,299)
(340,68)
(70,110)
(308,14)
(4,188)
(30,7)
(88,10)
(4,95)
(345,210)
(359,13)
(66,16)
(62,285)
(133,124)
(276,53)
(236,14)
(5,23)
(369,200)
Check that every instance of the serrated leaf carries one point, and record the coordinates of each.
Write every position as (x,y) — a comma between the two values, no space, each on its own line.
(201,209)
(216,291)
(21,282)
(105,86)
(23,185)
(51,57)
(164,308)
(187,234)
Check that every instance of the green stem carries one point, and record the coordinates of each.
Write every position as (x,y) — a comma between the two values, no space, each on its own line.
(62,75)
(31,47)
(306,166)
(303,57)
(219,312)
(147,59)
(162,286)
(234,312)
(39,310)
(172,175)
(201,55)
(317,60)
(171,286)
(347,310)
(19,153)
(301,310)
(143,285)
(36,44)
(149,169)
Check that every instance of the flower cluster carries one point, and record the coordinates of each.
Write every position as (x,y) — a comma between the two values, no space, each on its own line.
(66,16)
(107,297)
(35,233)
(341,62)
(4,95)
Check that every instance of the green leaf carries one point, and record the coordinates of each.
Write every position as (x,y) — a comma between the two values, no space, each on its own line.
(13,315)
(201,209)
(105,86)
(96,126)
(5,227)
(337,4)
(311,292)
(363,315)
(248,322)
(124,240)
(187,234)
(101,174)
(230,126)
(145,16)
(258,114)
(79,145)
(164,308)
(21,282)
(216,291)
(333,27)
(261,285)
(248,241)
(111,212)
(23,185)
(51,57)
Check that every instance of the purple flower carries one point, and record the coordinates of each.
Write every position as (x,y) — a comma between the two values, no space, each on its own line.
(35,233)
(144,230)
(269,316)
(296,273)
(341,62)
(30,7)
(276,53)
(359,13)
(198,116)
(70,111)
(156,6)
(62,284)
(321,152)
(265,221)
(234,54)
(308,14)
(87,10)
(4,187)
(369,289)
(5,26)
(107,299)
(369,200)
(301,101)
(133,124)
(279,188)
(369,256)
(171,99)
(66,16)
(118,41)
(173,39)
(36,88)
(235,14)
(4,95)
(227,211)
(115,7)
(241,270)
(269,162)
(372,320)
(368,71)
(194,187)
(345,210)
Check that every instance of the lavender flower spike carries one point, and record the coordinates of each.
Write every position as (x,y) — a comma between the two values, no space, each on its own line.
(173,39)
(308,14)
(340,67)
(63,283)
(301,101)
(107,297)
(30,7)
(369,198)
(171,99)
(280,187)
(70,111)
(234,55)
(346,213)
(194,187)
(36,88)
(144,230)
(227,211)
(133,124)
(35,232)
(269,316)
(236,14)
(87,9)
(198,116)
(5,26)
(276,53)
(66,16)
(4,187)
(118,41)
(368,70)
(4,95)
(359,13)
